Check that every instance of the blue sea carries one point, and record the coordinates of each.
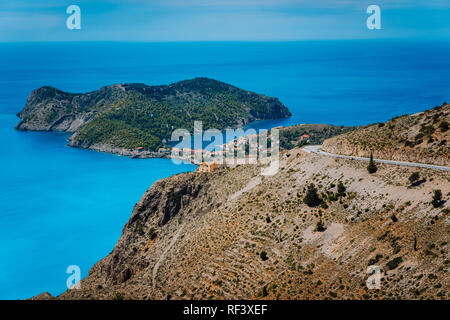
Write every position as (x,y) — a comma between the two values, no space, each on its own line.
(62,206)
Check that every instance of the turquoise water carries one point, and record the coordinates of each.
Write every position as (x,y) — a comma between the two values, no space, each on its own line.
(61,206)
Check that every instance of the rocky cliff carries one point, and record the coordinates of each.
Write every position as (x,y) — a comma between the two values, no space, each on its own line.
(423,137)
(234,234)
(50,109)
(126,116)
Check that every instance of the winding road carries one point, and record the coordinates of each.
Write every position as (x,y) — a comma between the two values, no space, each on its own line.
(316,149)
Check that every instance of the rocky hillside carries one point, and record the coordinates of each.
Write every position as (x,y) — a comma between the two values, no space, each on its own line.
(234,234)
(290,136)
(422,137)
(50,109)
(127,116)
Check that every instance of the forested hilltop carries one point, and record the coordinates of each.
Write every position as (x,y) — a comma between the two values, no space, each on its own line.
(127,116)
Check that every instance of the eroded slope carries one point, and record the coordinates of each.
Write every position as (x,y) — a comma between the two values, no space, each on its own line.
(195,235)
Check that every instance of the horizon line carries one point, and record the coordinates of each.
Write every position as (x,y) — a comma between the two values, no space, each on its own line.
(441,39)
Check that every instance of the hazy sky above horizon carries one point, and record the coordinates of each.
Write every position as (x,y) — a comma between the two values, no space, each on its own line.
(221,20)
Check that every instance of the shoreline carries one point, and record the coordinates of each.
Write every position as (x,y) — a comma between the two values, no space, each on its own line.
(133,154)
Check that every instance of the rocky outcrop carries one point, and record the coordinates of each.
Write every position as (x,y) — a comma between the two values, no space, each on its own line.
(168,200)
(50,109)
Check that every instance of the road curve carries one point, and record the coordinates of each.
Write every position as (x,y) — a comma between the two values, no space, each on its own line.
(316,149)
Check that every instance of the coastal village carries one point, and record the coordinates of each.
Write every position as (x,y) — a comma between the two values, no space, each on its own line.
(211,160)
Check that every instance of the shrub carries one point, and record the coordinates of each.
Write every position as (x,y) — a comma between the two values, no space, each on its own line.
(427,130)
(332,197)
(419,136)
(139,230)
(414,177)
(118,296)
(375,260)
(320,226)
(394,263)
(312,198)
(151,233)
(341,189)
(264,291)
(437,198)
(263,256)
(443,126)
(409,143)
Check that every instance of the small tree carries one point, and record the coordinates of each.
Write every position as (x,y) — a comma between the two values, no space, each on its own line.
(341,189)
(372,167)
(319,226)
(264,291)
(413,178)
(263,256)
(444,126)
(312,198)
(437,198)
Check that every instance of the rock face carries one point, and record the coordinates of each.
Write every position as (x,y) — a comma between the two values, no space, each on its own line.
(219,236)
(50,109)
(166,201)
(127,116)
(421,137)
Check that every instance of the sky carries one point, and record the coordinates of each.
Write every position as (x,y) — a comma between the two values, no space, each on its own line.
(221,20)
